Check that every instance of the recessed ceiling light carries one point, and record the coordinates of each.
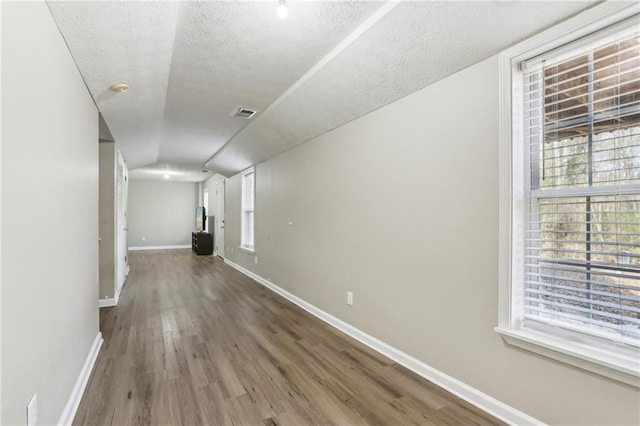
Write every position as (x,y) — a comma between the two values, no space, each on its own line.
(166,176)
(283,10)
(120,87)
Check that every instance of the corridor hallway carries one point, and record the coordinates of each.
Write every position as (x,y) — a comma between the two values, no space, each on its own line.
(193,341)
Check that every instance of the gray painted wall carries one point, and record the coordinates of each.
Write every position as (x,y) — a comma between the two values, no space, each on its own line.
(107,216)
(401,207)
(49,216)
(162,212)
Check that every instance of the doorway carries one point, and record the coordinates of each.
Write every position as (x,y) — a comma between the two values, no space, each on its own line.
(122,186)
(205,203)
(219,226)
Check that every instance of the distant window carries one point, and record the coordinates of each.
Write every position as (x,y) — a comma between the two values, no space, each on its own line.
(574,245)
(248,207)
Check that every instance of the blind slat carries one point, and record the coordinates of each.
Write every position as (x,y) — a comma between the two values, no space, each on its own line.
(569,307)
(582,300)
(580,321)
(586,290)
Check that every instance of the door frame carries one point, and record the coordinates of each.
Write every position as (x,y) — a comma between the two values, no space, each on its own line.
(121,249)
(219,227)
(207,213)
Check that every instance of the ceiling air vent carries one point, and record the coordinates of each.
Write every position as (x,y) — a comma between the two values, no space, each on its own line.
(245,113)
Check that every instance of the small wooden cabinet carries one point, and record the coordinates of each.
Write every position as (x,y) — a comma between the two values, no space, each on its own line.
(202,243)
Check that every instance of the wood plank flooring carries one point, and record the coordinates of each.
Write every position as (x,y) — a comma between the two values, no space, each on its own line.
(193,342)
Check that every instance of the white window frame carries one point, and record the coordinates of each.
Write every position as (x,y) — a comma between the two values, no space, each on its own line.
(243,210)
(619,362)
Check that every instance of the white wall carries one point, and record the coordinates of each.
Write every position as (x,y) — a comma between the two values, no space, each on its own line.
(162,212)
(401,207)
(49,216)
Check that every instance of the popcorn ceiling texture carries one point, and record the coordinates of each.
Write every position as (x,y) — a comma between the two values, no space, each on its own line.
(190,64)
(228,55)
(414,45)
(124,41)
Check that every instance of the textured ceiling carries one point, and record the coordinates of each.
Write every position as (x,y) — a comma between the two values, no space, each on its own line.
(170,171)
(189,65)
(415,44)
(124,41)
(228,55)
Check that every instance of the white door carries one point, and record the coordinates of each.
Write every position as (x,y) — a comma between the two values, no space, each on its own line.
(205,203)
(219,230)
(121,223)
(125,230)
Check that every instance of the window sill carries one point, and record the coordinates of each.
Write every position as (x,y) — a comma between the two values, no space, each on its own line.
(248,249)
(617,362)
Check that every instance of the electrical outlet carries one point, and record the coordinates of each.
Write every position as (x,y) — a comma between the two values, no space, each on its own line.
(255,259)
(32,411)
(350,298)
(144,238)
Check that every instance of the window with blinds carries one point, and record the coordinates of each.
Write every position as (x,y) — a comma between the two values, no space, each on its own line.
(582,237)
(248,206)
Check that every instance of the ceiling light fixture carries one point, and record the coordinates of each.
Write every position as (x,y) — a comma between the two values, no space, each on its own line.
(166,176)
(283,10)
(120,87)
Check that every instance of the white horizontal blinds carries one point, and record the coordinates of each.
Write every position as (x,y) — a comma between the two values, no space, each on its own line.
(582,245)
(248,204)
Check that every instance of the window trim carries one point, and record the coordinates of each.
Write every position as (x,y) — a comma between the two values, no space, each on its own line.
(251,249)
(615,361)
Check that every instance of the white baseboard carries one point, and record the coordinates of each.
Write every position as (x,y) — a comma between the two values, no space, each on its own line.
(159,248)
(107,303)
(78,390)
(472,395)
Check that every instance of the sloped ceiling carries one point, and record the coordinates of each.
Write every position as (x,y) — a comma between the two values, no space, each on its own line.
(191,65)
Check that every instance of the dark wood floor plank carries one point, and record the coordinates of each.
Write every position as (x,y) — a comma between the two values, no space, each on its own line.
(193,341)
(213,405)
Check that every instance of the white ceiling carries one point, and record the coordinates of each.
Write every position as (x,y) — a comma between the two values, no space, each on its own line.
(189,65)
(130,42)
